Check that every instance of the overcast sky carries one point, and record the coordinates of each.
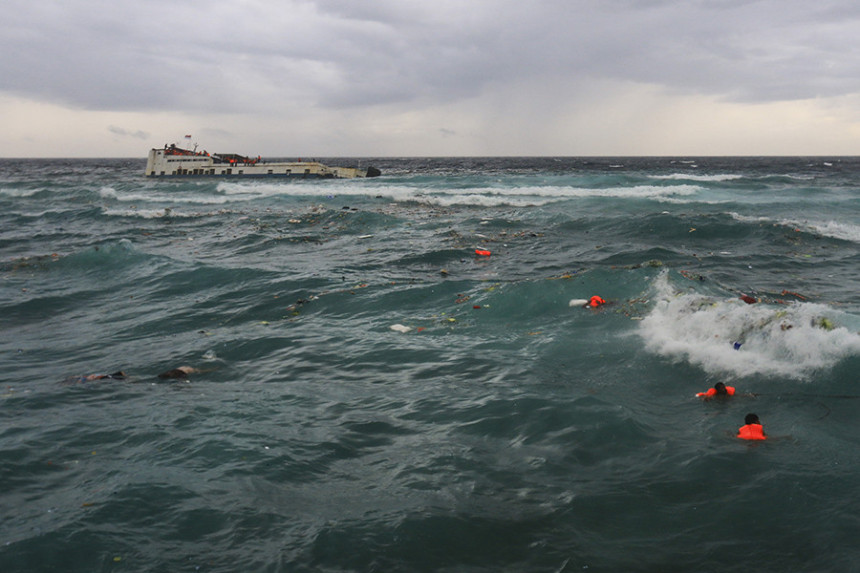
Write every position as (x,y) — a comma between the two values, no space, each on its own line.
(113,78)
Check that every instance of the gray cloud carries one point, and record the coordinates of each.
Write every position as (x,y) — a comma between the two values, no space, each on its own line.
(127,133)
(231,57)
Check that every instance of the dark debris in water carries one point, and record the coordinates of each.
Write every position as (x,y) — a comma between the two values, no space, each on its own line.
(32,262)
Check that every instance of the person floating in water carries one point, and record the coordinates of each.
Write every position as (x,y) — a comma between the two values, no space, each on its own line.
(752,429)
(596,301)
(119,375)
(181,373)
(593,302)
(718,390)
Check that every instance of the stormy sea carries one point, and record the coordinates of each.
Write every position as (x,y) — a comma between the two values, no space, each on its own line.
(401,374)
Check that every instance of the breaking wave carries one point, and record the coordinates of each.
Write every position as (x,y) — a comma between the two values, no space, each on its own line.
(729,337)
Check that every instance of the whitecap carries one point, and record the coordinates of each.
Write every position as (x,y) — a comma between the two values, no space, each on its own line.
(704,178)
(533,195)
(729,337)
(831,229)
(18,192)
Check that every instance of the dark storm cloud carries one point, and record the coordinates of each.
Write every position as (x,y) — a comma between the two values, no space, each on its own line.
(241,55)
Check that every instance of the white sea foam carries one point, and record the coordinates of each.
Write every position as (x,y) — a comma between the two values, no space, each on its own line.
(19,192)
(703,178)
(480,196)
(729,337)
(253,190)
(479,200)
(162,198)
(529,196)
(162,213)
(519,196)
(832,229)
(640,191)
(844,231)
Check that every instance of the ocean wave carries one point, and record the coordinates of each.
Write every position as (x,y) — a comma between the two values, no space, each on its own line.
(844,231)
(522,196)
(831,229)
(160,213)
(19,193)
(729,337)
(482,196)
(477,200)
(640,191)
(533,196)
(325,188)
(466,193)
(703,178)
(338,443)
(176,198)
(107,193)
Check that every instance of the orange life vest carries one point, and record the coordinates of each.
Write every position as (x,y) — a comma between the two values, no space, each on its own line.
(730,390)
(752,432)
(596,301)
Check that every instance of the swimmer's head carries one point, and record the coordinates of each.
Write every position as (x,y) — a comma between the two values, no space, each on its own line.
(751,419)
(177,373)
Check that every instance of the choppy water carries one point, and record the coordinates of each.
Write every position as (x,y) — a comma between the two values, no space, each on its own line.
(505,430)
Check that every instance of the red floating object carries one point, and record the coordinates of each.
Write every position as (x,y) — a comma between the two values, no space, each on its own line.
(482,252)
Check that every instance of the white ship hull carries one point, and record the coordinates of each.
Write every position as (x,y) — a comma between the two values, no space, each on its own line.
(175,162)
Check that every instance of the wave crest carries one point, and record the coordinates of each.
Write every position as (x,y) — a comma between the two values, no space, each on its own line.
(729,337)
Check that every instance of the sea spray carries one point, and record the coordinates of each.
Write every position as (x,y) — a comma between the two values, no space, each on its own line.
(731,337)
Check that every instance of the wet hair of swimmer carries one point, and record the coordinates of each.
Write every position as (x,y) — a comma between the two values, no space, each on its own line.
(751,419)
(178,373)
(720,388)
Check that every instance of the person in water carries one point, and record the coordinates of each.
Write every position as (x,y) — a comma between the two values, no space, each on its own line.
(593,302)
(596,301)
(719,390)
(119,375)
(752,429)
(181,373)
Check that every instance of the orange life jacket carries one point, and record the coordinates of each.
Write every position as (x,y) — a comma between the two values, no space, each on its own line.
(596,301)
(730,390)
(752,432)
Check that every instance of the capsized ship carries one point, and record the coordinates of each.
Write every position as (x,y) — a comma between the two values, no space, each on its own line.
(173,161)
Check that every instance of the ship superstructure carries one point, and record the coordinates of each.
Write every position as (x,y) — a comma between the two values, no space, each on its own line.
(173,161)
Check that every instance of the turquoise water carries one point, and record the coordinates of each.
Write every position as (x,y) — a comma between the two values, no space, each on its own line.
(496,427)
